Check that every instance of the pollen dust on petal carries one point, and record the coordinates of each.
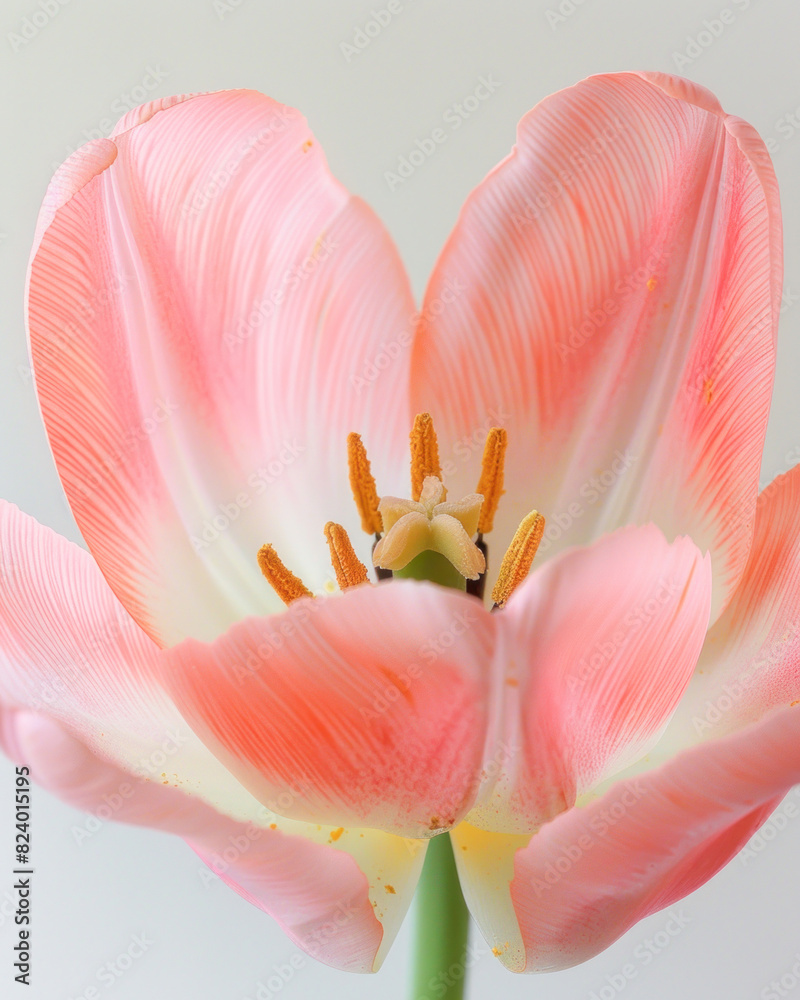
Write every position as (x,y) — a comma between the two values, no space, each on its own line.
(390,889)
(307,145)
(335,834)
(651,283)
(708,390)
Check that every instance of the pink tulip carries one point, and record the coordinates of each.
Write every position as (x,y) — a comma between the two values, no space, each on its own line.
(211,314)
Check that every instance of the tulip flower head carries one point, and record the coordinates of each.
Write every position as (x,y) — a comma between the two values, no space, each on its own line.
(562,661)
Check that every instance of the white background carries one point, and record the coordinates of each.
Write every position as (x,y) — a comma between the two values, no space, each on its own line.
(63,86)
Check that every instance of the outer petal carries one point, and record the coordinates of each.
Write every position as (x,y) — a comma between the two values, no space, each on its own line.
(328,894)
(588,876)
(207,309)
(595,651)
(69,648)
(370,706)
(750,662)
(618,282)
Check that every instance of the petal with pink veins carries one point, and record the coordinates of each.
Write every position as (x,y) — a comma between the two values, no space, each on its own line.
(594,653)
(369,707)
(593,872)
(617,290)
(210,313)
(327,889)
(69,649)
(750,662)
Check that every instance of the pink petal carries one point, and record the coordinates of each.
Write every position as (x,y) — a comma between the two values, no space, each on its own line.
(69,649)
(751,659)
(610,296)
(596,650)
(91,159)
(369,706)
(210,314)
(331,903)
(588,876)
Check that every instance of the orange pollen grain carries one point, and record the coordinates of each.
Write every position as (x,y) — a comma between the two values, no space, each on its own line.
(335,834)
(349,569)
(363,486)
(285,584)
(490,485)
(424,453)
(517,560)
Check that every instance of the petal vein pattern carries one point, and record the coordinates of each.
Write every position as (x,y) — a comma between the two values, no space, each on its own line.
(621,275)
(68,649)
(201,309)
(370,706)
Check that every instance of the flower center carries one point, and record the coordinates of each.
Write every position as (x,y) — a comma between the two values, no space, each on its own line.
(431,525)
(425,537)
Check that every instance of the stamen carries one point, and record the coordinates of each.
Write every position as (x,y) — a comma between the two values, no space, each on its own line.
(363,486)
(424,453)
(517,560)
(349,569)
(285,584)
(490,485)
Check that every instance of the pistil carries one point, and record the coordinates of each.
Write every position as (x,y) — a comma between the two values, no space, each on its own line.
(430,525)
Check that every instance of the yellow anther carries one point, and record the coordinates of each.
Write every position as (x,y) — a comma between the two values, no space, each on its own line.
(349,569)
(285,584)
(424,453)
(517,560)
(490,485)
(362,484)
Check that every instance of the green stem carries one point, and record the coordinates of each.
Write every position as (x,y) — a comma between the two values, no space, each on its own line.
(441,927)
(442,918)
